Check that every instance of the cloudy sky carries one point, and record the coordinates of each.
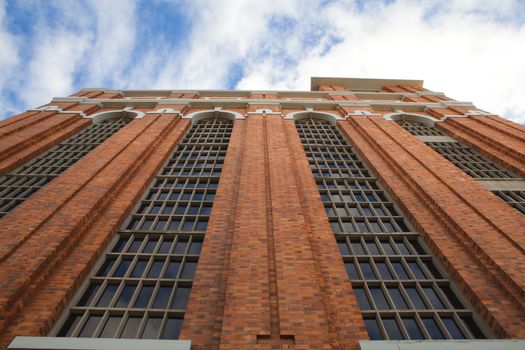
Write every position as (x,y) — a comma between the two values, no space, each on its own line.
(472,50)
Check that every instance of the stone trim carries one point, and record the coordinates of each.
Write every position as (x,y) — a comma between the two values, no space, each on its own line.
(66,343)
(489,344)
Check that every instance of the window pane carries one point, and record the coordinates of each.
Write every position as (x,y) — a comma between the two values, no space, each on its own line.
(90,326)
(131,328)
(432,328)
(379,298)
(392,329)
(152,328)
(144,297)
(373,329)
(111,327)
(172,329)
(412,329)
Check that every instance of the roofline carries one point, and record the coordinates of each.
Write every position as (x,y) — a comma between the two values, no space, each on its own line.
(360,83)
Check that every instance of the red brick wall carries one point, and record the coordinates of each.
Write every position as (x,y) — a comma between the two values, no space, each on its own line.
(50,242)
(270,273)
(24,136)
(499,139)
(478,238)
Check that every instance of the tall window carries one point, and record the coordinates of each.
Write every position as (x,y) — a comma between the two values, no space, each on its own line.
(22,183)
(401,290)
(141,285)
(467,159)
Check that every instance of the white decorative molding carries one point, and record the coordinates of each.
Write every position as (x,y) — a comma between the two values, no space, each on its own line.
(107,115)
(211,113)
(70,343)
(164,111)
(424,119)
(265,111)
(360,112)
(476,112)
(310,113)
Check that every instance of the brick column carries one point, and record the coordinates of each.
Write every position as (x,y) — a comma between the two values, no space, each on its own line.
(205,311)
(28,134)
(50,242)
(479,239)
(247,309)
(502,142)
(316,303)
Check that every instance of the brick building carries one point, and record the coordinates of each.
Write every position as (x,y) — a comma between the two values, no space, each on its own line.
(361,211)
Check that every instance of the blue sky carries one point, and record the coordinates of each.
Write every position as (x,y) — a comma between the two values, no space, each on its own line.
(472,50)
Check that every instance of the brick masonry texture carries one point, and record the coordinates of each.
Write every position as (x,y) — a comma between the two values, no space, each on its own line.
(500,142)
(270,275)
(281,283)
(26,135)
(50,242)
(478,238)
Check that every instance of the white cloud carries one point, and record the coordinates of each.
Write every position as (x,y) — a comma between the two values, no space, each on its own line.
(470,49)
(9,59)
(460,50)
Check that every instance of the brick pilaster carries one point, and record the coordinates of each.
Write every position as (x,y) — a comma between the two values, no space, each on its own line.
(205,311)
(28,134)
(478,238)
(40,255)
(501,142)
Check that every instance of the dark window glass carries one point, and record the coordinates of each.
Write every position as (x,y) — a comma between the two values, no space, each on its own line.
(367,271)
(89,295)
(110,328)
(351,270)
(432,328)
(152,328)
(138,271)
(383,270)
(452,328)
(106,267)
(413,330)
(90,326)
(108,294)
(122,268)
(144,297)
(362,300)
(180,300)
(70,324)
(373,329)
(173,270)
(172,329)
(473,327)
(189,270)
(126,295)
(392,329)
(131,328)
(433,297)
(397,298)
(415,298)
(379,298)
(163,296)
(156,268)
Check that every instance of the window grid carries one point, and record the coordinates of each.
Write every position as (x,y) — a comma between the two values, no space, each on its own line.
(469,160)
(401,291)
(419,129)
(516,199)
(17,186)
(142,284)
(466,158)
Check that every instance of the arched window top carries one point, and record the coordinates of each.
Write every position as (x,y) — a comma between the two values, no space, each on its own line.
(101,117)
(411,117)
(313,115)
(199,116)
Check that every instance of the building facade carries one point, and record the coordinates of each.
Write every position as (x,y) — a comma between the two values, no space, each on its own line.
(363,214)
